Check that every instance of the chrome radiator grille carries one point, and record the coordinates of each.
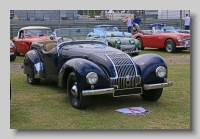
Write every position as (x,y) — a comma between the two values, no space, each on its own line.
(126,76)
(123,64)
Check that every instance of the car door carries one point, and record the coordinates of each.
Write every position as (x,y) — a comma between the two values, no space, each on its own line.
(20,42)
(148,40)
(51,64)
(159,40)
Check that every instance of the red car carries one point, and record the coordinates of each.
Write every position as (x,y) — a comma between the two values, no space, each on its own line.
(27,35)
(157,38)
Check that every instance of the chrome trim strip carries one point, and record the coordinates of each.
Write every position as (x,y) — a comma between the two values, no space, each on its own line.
(98,91)
(11,53)
(156,86)
(113,65)
(182,46)
(131,51)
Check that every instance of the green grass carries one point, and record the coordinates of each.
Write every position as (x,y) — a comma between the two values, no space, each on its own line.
(46,106)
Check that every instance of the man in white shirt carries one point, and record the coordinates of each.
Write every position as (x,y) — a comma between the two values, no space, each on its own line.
(187,22)
(128,23)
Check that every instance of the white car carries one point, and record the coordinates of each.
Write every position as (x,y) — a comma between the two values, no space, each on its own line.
(12,51)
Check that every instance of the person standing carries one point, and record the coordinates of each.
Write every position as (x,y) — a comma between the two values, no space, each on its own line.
(127,20)
(187,22)
(137,20)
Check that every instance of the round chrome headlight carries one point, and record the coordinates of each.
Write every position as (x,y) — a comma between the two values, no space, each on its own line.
(118,41)
(91,78)
(161,71)
(131,41)
(178,39)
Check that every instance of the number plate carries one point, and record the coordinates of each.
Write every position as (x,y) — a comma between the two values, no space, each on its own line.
(187,43)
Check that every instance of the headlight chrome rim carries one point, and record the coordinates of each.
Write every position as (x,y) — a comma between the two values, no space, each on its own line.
(178,39)
(91,78)
(131,41)
(161,72)
(118,41)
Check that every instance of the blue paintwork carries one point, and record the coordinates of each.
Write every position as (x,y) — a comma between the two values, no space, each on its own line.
(147,63)
(83,57)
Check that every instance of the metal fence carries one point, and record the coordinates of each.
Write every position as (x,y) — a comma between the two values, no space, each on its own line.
(16,25)
(61,15)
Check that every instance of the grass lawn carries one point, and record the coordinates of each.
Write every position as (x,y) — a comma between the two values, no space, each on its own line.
(46,106)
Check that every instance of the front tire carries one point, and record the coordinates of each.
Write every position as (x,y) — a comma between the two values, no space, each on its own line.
(140,39)
(170,46)
(13,57)
(75,97)
(152,95)
(31,80)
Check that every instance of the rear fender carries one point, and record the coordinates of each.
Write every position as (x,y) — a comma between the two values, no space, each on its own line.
(32,64)
(81,67)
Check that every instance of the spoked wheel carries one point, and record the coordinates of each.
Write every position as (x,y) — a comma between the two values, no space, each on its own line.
(170,46)
(75,96)
(32,80)
(142,47)
(152,95)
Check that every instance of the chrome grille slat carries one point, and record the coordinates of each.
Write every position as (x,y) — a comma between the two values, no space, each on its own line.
(124,66)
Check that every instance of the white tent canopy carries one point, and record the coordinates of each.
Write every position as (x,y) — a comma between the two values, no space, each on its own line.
(111,12)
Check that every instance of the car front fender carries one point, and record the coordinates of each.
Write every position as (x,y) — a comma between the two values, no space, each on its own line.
(146,65)
(81,67)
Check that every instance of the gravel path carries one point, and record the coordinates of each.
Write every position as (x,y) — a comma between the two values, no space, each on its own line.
(170,60)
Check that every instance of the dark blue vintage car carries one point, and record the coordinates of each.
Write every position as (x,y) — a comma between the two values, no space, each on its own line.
(91,67)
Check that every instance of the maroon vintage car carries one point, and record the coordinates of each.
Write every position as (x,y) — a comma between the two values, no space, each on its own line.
(27,35)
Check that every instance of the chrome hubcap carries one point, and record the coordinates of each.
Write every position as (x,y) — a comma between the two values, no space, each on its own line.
(169,47)
(74,90)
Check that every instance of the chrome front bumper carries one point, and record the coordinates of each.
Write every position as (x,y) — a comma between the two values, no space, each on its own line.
(11,53)
(98,91)
(185,44)
(129,49)
(112,90)
(156,86)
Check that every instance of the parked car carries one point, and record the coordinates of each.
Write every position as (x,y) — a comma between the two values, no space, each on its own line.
(27,35)
(159,25)
(91,67)
(113,29)
(174,29)
(157,38)
(12,51)
(118,39)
